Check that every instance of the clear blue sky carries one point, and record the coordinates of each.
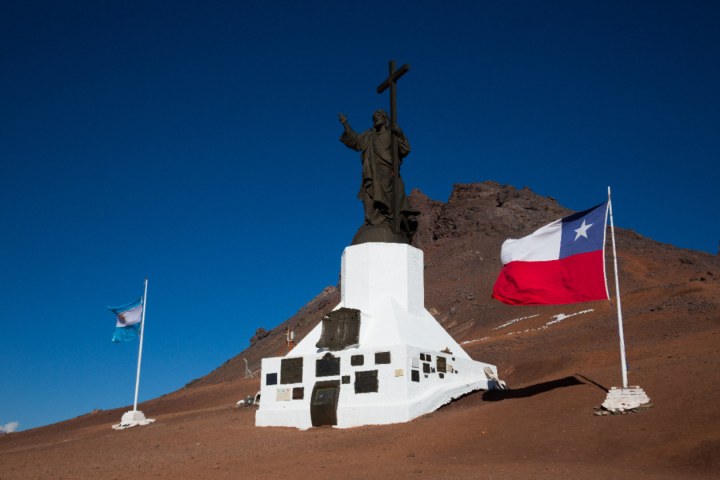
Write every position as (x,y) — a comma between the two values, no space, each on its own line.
(196,143)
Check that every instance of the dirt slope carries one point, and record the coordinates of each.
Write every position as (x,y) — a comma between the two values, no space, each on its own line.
(558,360)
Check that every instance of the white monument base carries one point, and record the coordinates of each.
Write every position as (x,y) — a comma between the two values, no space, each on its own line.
(132,418)
(624,399)
(403,365)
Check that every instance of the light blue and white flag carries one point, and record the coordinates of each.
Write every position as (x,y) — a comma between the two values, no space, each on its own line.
(129,318)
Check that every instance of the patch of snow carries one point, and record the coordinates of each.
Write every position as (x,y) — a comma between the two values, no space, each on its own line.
(514,321)
(561,316)
(557,319)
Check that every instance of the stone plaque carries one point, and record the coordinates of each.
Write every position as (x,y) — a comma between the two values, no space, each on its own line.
(291,370)
(366,382)
(283,394)
(327,366)
(340,329)
(271,379)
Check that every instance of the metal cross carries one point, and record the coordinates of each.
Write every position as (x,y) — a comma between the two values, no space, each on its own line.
(390,82)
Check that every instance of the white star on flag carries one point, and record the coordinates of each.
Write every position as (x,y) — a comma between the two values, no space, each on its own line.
(582,231)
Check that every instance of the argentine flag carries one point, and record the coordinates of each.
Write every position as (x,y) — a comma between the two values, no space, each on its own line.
(129,318)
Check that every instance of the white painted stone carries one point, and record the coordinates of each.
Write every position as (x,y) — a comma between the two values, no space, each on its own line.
(385,282)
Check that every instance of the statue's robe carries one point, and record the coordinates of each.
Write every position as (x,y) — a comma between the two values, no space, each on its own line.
(376,188)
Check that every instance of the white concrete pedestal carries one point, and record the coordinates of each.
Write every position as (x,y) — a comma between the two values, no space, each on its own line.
(405,364)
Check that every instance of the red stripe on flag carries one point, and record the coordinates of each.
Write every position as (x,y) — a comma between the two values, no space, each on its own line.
(578,278)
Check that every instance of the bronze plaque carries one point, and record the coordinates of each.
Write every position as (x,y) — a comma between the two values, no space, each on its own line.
(366,382)
(382,358)
(291,370)
(298,393)
(357,360)
(441,364)
(327,366)
(340,329)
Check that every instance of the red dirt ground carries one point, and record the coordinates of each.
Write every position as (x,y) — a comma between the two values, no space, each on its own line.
(544,427)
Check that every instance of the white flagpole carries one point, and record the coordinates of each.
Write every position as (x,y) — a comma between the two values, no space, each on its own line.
(142,331)
(623,362)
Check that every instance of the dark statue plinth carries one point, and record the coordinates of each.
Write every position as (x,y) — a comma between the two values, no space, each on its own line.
(380,233)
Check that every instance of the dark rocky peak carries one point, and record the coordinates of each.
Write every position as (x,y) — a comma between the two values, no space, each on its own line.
(489,208)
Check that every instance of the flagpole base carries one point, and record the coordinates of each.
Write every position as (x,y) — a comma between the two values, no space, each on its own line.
(132,418)
(621,400)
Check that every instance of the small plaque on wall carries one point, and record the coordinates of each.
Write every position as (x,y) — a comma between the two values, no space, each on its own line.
(366,382)
(291,370)
(441,364)
(382,358)
(283,394)
(327,366)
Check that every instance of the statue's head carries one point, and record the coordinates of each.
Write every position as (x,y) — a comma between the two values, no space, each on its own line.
(380,117)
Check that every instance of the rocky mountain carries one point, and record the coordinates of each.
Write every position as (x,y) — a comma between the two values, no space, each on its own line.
(461,242)
(558,360)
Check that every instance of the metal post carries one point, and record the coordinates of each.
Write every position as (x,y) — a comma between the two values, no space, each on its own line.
(623,361)
(395,207)
(142,332)
(389,82)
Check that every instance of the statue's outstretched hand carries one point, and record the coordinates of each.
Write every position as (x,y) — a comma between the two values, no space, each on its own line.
(342,118)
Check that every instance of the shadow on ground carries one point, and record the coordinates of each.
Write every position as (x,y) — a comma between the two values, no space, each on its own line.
(531,390)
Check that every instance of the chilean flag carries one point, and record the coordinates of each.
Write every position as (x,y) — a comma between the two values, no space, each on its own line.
(562,262)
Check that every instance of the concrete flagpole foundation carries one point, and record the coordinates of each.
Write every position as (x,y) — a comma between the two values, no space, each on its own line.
(133,418)
(621,400)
